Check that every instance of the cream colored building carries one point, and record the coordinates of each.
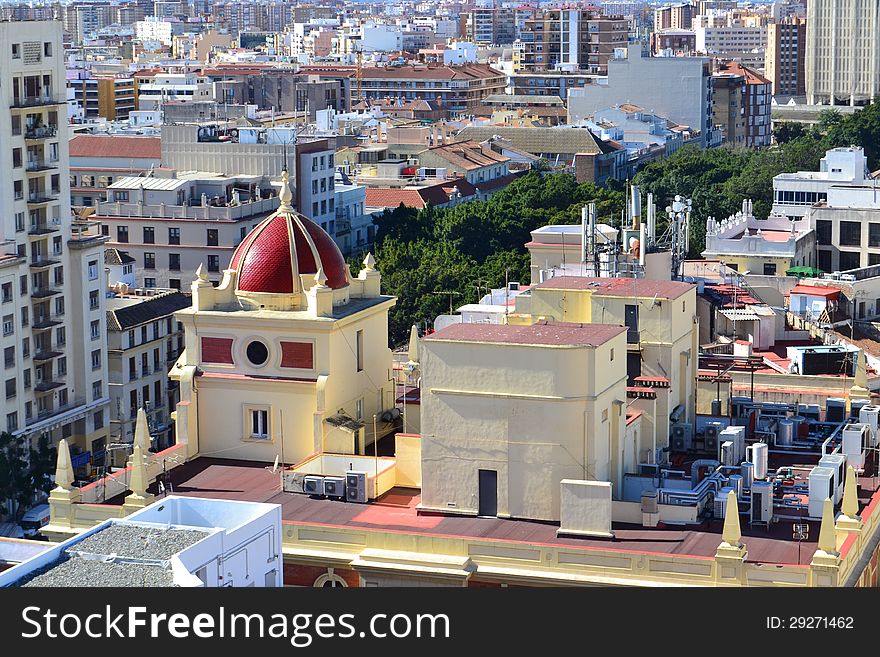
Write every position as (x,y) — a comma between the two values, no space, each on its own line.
(289,355)
(662,328)
(843,52)
(51,271)
(552,409)
(144,340)
(172,223)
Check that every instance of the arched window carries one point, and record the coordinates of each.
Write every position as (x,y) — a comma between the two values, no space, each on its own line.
(329,580)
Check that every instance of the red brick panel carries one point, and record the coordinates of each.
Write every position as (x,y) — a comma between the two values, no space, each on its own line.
(217,350)
(297,354)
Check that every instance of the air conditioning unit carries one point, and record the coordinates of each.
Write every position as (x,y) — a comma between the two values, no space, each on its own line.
(837,463)
(856,437)
(710,437)
(720,507)
(313,485)
(736,435)
(728,453)
(356,486)
(682,438)
(835,409)
(821,488)
(870,415)
(762,503)
(334,487)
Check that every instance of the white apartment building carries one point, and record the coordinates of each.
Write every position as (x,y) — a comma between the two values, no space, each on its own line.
(843,51)
(51,271)
(160,88)
(317,197)
(352,221)
(727,40)
(848,227)
(144,341)
(171,225)
(260,152)
(155,28)
(795,193)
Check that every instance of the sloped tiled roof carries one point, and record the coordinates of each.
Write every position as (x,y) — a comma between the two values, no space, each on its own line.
(133,312)
(116,146)
(117,257)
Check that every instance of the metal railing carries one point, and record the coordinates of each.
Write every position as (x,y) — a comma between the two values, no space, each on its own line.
(41,132)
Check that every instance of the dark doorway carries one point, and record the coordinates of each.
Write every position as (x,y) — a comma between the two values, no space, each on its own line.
(633,367)
(631,319)
(488,493)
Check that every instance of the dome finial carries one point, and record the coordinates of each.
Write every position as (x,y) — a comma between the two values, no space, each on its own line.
(284,195)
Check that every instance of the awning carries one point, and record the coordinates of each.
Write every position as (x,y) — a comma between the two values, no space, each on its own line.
(740,315)
(343,421)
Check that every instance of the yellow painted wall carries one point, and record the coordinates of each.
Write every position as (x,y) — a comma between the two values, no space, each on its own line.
(408,457)
(545,414)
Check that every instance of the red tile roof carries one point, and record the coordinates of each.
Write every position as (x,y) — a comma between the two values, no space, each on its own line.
(437,195)
(465,72)
(116,146)
(621,287)
(816,291)
(542,333)
(384,197)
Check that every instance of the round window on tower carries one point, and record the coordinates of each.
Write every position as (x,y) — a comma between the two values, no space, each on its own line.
(257,353)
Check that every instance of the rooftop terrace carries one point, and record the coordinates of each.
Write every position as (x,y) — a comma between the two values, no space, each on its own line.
(396,512)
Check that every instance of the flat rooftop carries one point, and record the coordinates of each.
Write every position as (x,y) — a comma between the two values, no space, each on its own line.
(621,287)
(396,511)
(562,334)
(120,555)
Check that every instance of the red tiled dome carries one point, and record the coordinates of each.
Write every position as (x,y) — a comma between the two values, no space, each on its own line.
(280,248)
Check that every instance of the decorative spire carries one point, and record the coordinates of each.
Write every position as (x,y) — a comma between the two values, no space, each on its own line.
(732,534)
(142,431)
(370,262)
(827,539)
(850,506)
(63,467)
(414,344)
(861,376)
(285,195)
(200,273)
(138,483)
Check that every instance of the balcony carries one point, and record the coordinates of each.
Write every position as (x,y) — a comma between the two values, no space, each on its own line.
(39,198)
(41,132)
(44,228)
(41,262)
(46,385)
(46,355)
(45,322)
(44,292)
(38,166)
(35,101)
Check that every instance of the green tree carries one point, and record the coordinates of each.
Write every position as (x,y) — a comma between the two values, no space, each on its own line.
(15,482)
(786,131)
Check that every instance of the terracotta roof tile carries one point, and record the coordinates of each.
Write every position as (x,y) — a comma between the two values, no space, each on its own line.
(116,146)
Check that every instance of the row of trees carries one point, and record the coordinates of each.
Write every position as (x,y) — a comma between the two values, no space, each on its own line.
(431,256)
(25,472)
